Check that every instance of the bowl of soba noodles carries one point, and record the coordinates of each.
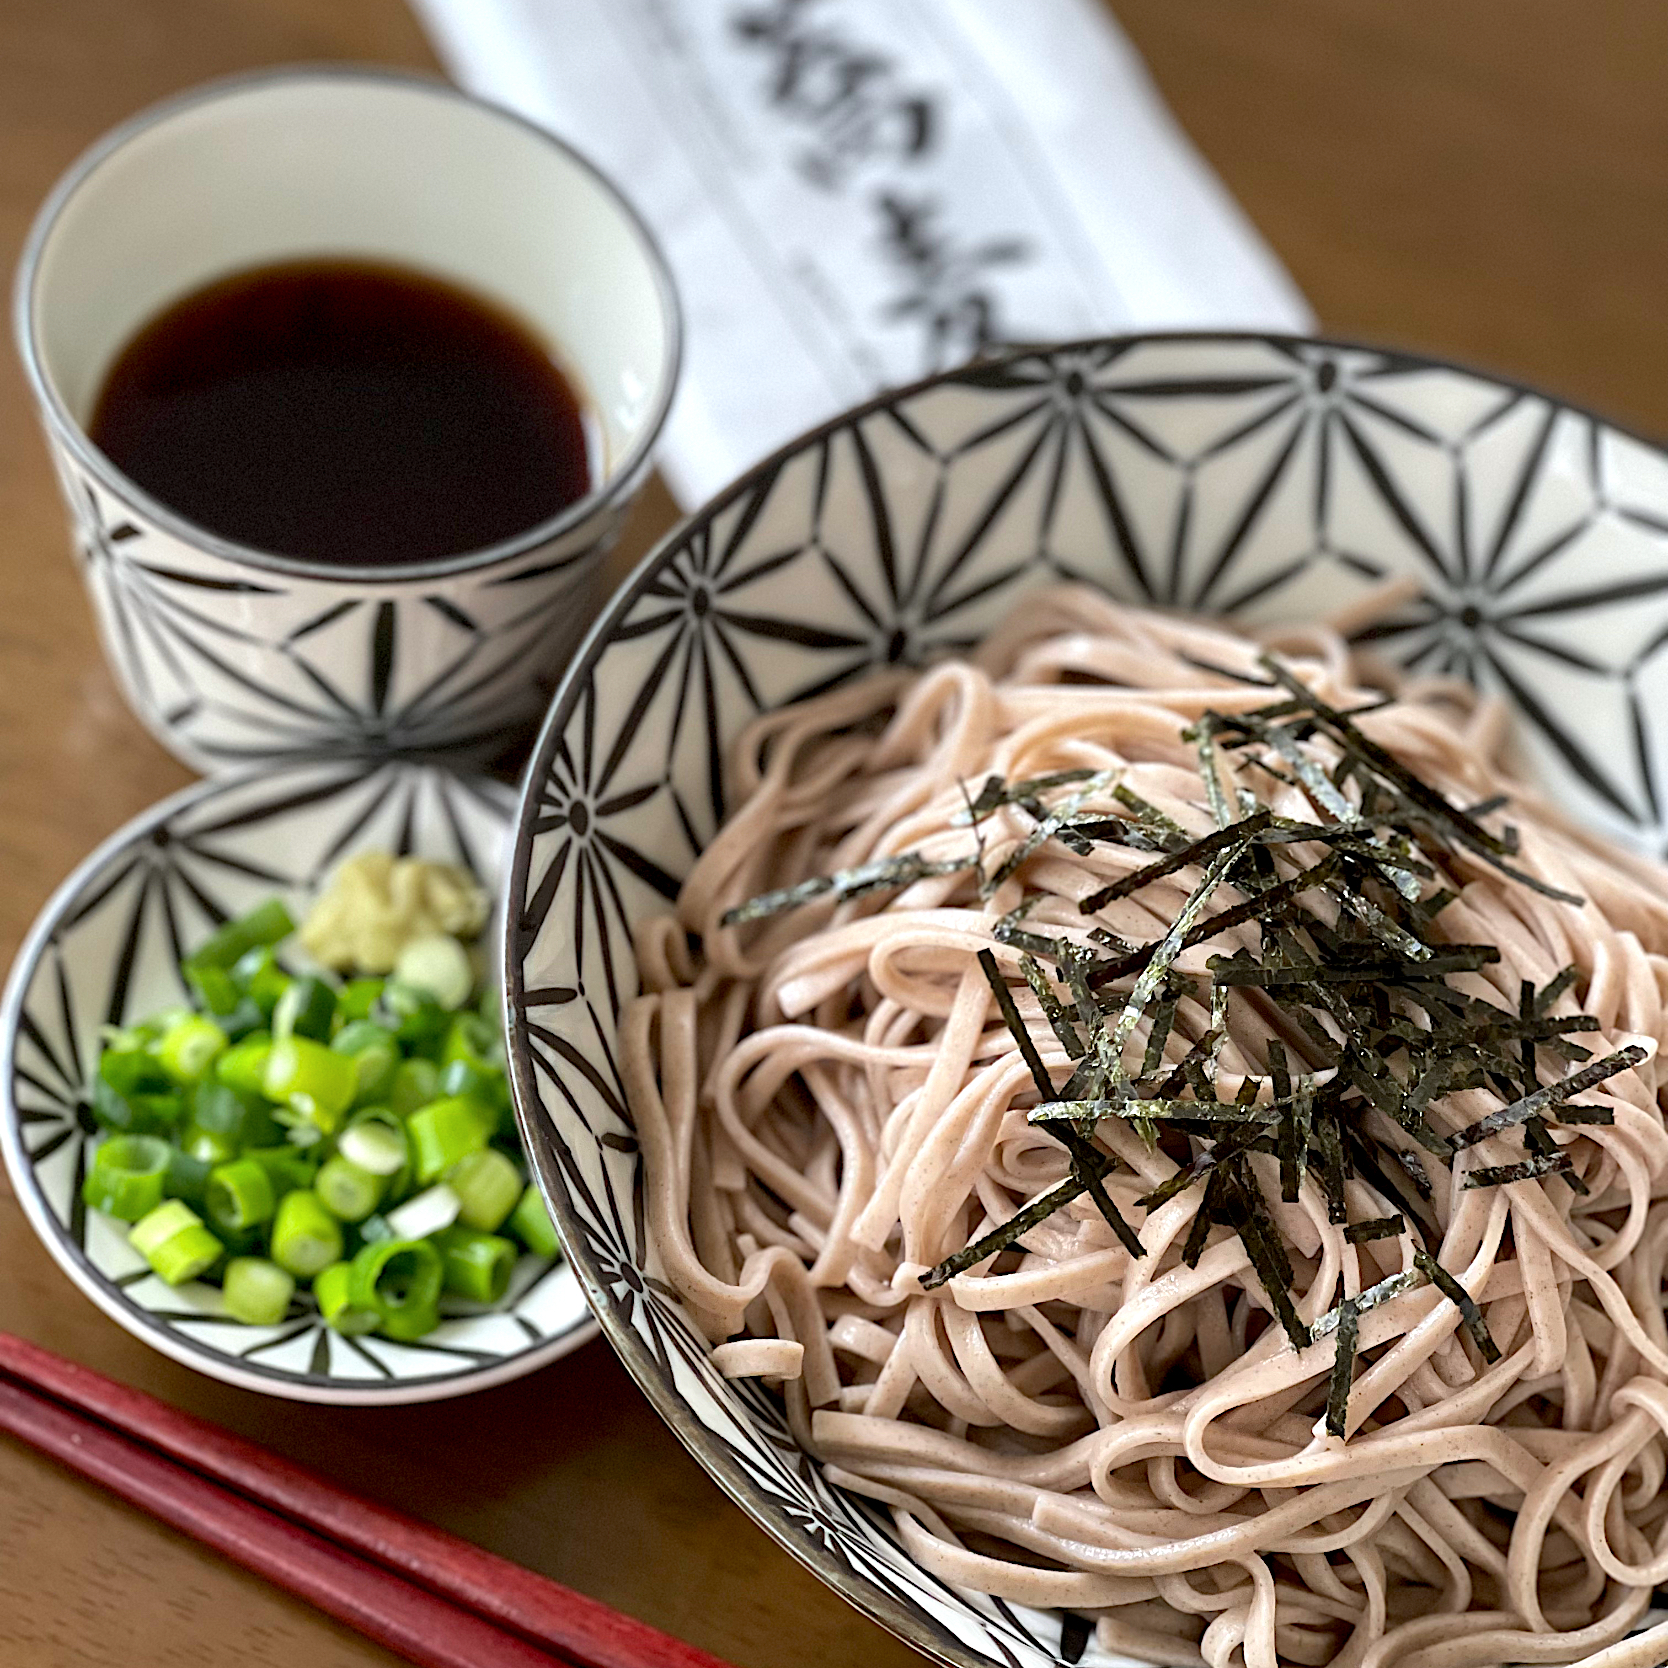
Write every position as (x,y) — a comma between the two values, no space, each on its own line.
(1088,970)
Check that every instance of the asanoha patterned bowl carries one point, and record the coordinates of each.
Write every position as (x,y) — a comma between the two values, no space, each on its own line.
(106,949)
(1264,478)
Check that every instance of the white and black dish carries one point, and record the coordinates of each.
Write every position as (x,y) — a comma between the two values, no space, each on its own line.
(229,653)
(106,950)
(1260,478)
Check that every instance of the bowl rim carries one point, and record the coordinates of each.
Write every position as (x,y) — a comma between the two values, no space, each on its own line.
(711,1453)
(188,1351)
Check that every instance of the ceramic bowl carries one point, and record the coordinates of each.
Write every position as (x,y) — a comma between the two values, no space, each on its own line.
(106,949)
(229,653)
(1262,478)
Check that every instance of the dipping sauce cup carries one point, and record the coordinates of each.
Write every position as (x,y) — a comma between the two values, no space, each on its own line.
(231,654)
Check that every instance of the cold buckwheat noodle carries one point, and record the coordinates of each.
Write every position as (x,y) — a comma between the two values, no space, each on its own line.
(830,1104)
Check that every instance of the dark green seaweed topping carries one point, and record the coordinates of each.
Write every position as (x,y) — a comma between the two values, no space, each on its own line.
(1009,1233)
(996,793)
(1088,1162)
(1343,1368)
(1378,1227)
(1194,852)
(879,874)
(1549,1096)
(1498,1175)
(1323,928)
(1392,1286)
(1462,1300)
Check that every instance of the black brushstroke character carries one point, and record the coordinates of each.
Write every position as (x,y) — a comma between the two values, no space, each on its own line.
(848,95)
(946,289)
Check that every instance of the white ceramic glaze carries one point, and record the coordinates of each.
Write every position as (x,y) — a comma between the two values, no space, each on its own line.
(103,950)
(229,653)
(1262,478)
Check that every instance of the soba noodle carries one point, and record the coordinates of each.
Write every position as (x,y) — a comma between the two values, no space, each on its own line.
(829,1104)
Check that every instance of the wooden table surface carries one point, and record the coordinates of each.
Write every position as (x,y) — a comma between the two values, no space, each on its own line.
(1487,179)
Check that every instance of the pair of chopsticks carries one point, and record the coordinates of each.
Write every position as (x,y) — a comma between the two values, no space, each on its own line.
(432,1598)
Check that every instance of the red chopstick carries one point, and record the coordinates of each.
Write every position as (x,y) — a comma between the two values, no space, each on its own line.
(554,1618)
(426,1630)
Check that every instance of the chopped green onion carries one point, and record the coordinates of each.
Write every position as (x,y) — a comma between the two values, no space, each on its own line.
(478,1266)
(240,1195)
(445,1131)
(186,1178)
(375,1053)
(409,1322)
(242,1118)
(488,1186)
(209,970)
(438,964)
(215,987)
(173,1240)
(268,923)
(331,1291)
(305,1236)
(261,978)
(287,1167)
(400,1279)
(473,1042)
(306,1009)
(358,997)
(243,1066)
(347,1191)
(243,1021)
(376,1141)
(133,1071)
(415,1084)
(426,1214)
(314,1081)
(256,1291)
(189,1047)
(139,1113)
(461,1077)
(411,1014)
(208,1146)
(128,1175)
(530,1223)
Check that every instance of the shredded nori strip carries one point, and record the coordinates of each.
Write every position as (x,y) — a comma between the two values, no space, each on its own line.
(1391,1286)
(1197,932)
(1087,1162)
(1244,1211)
(1009,1011)
(1462,1300)
(1554,988)
(902,870)
(996,793)
(1097,782)
(1343,1369)
(1549,1095)
(1500,1175)
(999,1239)
(1189,855)
(1378,1227)
(1065,1032)
(1420,794)
(1163,1111)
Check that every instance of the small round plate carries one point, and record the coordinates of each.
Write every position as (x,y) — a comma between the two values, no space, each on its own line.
(106,949)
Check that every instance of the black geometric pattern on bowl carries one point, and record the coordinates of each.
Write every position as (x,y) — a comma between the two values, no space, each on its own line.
(1270,479)
(228,663)
(107,949)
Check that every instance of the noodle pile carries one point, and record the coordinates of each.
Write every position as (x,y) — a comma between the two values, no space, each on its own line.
(830,1104)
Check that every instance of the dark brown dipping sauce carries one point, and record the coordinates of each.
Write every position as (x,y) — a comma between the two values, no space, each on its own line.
(345,412)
